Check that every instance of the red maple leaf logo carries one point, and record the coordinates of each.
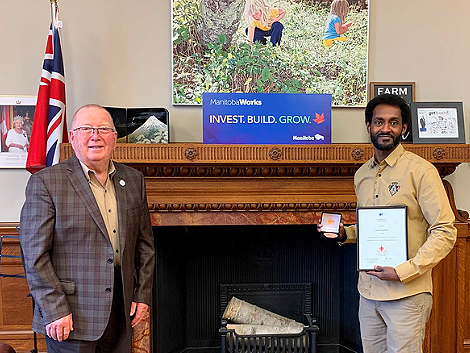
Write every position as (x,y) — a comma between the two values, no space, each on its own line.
(319,118)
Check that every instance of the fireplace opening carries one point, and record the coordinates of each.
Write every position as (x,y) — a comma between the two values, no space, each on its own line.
(267,317)
(194,264)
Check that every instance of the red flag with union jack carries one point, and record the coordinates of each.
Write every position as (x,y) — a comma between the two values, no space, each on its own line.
(49,124)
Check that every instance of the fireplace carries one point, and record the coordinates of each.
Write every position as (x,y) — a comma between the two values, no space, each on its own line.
(196,264)
(229,214)
(256,318)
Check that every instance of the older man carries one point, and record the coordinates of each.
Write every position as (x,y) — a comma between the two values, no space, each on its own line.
(88,243)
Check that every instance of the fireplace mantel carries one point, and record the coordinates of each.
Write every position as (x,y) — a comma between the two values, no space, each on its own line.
(196,184)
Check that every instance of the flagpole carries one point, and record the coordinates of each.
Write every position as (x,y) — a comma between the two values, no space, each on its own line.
(54,13)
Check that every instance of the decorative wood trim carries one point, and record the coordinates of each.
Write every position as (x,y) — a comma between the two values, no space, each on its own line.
(246,171)
(23,341)
(460,215)
(216,155)
(252,207)
(10,246)
(466,345)
(9,228)
(191,177)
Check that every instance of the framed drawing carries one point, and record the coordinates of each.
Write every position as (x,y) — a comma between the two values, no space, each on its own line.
(406,90)
(437,122)
(212,51)
(16,121)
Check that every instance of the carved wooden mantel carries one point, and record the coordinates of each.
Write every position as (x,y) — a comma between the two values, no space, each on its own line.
(240,180)
(196,184)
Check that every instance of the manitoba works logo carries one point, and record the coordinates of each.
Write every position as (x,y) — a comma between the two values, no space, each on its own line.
(240,101)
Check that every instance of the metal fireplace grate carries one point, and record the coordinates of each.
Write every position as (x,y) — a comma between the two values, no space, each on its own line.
(293,300)
(303,342)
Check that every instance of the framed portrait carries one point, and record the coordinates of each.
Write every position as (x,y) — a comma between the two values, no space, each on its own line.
(225,47)
(16,122)
(438,122)
(406,90)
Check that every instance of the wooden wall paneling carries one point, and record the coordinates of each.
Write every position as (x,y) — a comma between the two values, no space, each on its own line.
(463,273)
(14,289)
(444,311)
(15,305)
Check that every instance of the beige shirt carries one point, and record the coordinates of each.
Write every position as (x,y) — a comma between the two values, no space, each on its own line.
(405,179)
(105,196)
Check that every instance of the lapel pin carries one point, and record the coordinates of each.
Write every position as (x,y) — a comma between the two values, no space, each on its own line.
(122,182)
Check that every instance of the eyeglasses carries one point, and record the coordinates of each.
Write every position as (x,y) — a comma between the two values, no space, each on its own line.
(88,130)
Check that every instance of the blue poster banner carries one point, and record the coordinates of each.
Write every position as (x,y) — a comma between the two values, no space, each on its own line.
(266,118)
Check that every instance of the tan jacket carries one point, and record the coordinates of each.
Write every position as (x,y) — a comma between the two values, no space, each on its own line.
(405,179)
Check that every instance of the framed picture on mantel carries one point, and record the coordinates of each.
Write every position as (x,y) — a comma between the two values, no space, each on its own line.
(438,122)
(406,90)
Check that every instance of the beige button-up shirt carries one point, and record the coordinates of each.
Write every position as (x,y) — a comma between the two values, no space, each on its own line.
(405,179)
(105,196)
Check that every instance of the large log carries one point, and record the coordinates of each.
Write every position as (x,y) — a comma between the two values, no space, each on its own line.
(242,312)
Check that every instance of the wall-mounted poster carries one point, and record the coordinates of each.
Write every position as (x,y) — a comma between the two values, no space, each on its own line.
(16,121)
(270,46)
(266,118)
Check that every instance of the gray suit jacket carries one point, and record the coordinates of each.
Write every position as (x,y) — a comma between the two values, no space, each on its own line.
(68,256)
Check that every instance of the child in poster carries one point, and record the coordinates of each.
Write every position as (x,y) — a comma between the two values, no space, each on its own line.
(263,21)
(334,23)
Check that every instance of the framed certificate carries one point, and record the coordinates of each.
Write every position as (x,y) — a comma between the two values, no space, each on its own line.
(382,235)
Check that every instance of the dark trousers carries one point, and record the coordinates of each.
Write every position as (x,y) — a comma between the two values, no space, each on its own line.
(275,34)
(115,339)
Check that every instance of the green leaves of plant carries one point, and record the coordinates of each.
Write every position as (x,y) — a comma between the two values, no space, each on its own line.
(265,74)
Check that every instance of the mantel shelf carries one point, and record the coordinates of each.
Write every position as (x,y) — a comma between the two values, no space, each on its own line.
(244,180)
(334,154)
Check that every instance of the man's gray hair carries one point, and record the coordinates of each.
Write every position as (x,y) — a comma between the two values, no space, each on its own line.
(91,105)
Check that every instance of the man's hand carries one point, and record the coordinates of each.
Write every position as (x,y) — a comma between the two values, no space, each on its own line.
(385,273)
(341,236)
(59,329)
(141,312)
